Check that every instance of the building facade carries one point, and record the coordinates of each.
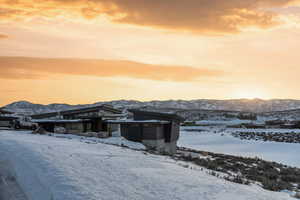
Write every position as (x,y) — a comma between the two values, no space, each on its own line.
(87,119)
(157,131)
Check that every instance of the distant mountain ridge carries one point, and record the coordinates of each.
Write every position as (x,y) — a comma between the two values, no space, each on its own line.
(245,105)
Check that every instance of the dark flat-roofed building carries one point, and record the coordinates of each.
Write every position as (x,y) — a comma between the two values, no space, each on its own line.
(91,111)
(71,126)
(157,131)
(6,118)
(7,121)
(86,119)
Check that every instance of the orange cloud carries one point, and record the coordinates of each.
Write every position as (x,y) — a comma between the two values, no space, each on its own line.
(200,16)
(3,36)
(43,68)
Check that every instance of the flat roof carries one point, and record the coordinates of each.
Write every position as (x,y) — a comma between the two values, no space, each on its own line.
(129,121)
(157,115)
(60,120)
(78,111)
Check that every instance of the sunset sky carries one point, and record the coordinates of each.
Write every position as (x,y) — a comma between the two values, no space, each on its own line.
(84,51)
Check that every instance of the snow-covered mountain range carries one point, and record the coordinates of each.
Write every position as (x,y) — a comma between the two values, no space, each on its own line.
(246,105)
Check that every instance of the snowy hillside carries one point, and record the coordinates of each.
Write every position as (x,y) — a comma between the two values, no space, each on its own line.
(256,105)
(26,107)
(220,140)
(72,169)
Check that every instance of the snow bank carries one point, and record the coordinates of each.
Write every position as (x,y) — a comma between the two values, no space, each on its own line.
(71,169)
(116,140)
(23,171)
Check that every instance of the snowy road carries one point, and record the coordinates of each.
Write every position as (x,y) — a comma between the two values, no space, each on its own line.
(70,169)
(9,188)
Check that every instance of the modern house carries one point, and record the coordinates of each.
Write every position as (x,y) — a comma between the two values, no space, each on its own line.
(7,121)
(6,118)
(90,111)
(157,131)
(87,119)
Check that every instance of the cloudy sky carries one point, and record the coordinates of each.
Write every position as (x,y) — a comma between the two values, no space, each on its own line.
(84,51)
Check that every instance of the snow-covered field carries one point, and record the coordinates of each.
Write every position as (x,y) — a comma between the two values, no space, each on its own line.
(51,168)
(221,141)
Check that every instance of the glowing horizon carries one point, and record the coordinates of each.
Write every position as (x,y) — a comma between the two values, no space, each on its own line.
(86,51)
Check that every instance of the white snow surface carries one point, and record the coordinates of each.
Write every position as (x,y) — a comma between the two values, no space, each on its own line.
(223,122)
(115,140)
(221,141)
(54,168)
